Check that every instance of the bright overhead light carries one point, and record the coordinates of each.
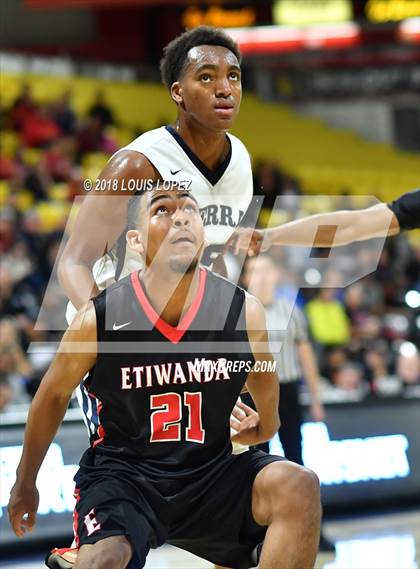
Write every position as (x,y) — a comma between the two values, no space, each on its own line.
(312,277)
(408,349)
(278,39)
(412,298)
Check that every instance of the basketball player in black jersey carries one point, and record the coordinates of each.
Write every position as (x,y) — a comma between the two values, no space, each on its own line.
(160,467)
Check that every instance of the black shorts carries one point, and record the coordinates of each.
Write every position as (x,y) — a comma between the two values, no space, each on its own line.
(211,517)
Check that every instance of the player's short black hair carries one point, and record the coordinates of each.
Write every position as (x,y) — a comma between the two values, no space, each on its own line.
(175,53)
(133,208)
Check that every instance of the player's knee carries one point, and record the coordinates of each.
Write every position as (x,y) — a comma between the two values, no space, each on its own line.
(309,487)
(302,496)
(291,489)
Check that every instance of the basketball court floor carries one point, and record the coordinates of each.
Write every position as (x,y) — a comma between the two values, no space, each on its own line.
(387,541)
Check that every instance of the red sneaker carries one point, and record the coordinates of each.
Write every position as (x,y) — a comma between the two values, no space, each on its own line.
(63,558)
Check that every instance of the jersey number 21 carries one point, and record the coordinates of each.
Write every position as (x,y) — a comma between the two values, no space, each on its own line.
(165,421)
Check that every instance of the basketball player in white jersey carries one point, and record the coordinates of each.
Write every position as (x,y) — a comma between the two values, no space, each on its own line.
(201,69)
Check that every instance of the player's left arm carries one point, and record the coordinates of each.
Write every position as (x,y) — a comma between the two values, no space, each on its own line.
(262,385)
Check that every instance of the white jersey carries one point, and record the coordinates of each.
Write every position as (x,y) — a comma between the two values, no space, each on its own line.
(223,195)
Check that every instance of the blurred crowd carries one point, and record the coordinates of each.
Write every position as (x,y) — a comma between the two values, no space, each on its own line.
(42,150)
(365,334)
(64,140)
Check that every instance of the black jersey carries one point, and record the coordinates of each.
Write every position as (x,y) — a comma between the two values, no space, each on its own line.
(407,210)
(167,407)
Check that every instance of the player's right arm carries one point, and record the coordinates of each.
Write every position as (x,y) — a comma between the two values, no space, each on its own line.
(76,355)
(101,220)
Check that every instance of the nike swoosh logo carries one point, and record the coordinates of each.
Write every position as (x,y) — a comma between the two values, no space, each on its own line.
(115,327)
(174,172)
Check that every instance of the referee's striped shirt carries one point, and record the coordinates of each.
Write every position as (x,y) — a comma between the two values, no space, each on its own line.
(286,326)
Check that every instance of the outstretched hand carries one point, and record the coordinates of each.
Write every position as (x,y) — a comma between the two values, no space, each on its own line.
(251,240)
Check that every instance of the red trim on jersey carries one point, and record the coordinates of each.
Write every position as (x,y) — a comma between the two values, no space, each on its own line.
(101,430)
(76,518)
(172,333)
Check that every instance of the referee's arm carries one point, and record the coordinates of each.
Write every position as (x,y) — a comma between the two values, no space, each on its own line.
(308,363)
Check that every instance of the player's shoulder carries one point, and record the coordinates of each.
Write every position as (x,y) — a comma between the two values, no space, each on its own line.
(148,139)
(406,209)
(225,290)
(253,302)
(237,145)
(255,312)
(115,290)
(218,281)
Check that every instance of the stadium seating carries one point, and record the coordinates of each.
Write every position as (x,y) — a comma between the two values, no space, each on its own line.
(325,160)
